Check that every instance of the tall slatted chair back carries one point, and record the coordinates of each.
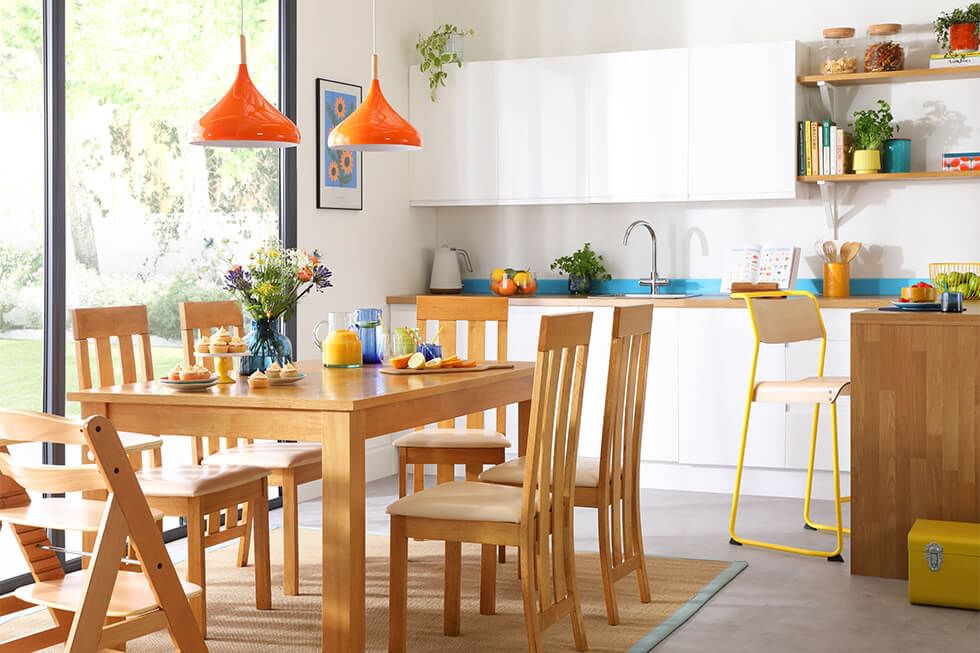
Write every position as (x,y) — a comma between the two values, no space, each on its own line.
(477,312)
(201,319)
(154,598)
(620,534)
(547,533)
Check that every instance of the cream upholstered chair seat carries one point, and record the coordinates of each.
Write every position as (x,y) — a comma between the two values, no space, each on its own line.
(455,438)
(512,472)
(812,390)
(196,480)
(268,455)
(131,595)
(463,501)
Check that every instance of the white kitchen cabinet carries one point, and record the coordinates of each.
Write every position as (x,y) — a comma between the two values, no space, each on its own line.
(638,117)
(660,422)
(743,113)
(458,162)
(714,360)
(542,134)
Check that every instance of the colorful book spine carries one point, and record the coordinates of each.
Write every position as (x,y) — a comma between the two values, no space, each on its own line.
(800,152)
(814,147)
(833,151)
(839,152)
(825,152)
(806,139)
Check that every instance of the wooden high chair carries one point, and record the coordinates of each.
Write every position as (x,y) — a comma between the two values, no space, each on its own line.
(290,464)
(611,484)
(537,518)
(200,494)
(447,446)
(102,607)
(782,317)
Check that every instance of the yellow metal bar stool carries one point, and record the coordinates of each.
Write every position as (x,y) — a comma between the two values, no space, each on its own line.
(783,317)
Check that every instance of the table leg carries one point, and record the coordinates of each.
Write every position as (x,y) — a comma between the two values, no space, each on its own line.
(523,425)
(343,532)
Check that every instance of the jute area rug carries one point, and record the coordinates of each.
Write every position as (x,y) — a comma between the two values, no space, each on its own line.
(679,588)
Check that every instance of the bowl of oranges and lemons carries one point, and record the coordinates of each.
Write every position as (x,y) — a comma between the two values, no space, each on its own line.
(509,281)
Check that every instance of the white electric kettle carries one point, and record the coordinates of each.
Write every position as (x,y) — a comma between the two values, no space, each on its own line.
(445,279)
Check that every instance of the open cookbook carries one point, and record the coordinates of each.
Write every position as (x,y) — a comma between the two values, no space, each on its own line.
(761,264)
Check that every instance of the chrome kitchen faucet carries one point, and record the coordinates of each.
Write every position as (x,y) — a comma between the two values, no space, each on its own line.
(655,282)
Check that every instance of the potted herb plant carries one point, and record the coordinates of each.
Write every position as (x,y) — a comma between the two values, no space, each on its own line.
(443,47)
(956,31)
(582,267)
(872,127)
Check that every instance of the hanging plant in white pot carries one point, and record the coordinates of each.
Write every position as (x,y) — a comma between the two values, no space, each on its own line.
(441,48)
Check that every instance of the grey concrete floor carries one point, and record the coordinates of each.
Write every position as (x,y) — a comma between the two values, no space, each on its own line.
(782,602)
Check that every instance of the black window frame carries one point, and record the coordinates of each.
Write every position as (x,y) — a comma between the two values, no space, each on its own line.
(55,224)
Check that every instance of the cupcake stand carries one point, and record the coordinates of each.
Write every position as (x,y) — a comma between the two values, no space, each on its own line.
(223,364)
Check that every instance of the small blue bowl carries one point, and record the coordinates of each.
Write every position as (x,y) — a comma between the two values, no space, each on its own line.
(431,351)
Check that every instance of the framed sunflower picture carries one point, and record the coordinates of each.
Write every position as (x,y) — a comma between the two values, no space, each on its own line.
(339,172)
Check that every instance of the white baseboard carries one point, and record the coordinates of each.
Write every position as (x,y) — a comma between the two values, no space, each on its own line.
(755,480)
(380,461)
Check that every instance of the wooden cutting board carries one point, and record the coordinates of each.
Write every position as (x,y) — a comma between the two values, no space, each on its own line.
(448,370)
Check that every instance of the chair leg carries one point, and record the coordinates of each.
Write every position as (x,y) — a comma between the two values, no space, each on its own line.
(195,563)
(642,578)
(606,567)
(260,530)
(532,620)
(418,478)
(571,582)
(453,586)
(807,524)
(290,534)
(836,557)
(488,579)
(402,472)
(245,541)
(398,587)
(738,474)
(502,554)
(473,471)
(445,473)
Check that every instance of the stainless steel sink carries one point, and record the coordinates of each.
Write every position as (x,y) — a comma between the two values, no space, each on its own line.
(648,295)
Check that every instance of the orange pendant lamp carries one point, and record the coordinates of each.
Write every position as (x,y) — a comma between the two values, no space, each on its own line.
(243,118)
(374,126)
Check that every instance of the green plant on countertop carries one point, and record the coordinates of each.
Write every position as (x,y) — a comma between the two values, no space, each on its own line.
(956,17)
(582,267)
(872,127)
(435,55)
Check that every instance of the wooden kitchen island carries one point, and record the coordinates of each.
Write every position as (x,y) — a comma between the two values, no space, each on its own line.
(915,429)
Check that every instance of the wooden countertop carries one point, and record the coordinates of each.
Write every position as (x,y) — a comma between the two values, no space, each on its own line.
(969,318)
(703,301)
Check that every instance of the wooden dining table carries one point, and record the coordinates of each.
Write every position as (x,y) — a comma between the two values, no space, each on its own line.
(342,409)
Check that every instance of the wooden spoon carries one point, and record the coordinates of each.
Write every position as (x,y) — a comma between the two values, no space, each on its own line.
(849,251)
(830,251)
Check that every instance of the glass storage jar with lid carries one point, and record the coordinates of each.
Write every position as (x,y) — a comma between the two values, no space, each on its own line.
(885,51)
(837,54)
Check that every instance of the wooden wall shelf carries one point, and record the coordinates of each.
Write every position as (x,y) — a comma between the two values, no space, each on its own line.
(890,176)
(894,77)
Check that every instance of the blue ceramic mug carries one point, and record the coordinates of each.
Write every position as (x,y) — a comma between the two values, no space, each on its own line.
(896,155)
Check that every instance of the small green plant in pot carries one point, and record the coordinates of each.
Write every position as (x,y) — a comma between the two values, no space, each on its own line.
(956,31)
(441,48)
(582,267)
(872,127)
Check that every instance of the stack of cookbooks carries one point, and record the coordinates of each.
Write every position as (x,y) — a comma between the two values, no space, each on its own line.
(955,60)
(822,148)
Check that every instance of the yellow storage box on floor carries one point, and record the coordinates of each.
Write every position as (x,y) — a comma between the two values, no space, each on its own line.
(944,563)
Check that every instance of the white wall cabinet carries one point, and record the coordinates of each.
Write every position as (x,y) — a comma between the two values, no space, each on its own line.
(458,161)
(638,133)
(743,112)
(542,131)
(645,126)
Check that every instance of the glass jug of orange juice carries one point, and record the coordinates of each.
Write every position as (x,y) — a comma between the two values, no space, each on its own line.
(341,347)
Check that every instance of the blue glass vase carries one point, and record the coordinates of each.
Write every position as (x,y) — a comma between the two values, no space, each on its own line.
(266,345)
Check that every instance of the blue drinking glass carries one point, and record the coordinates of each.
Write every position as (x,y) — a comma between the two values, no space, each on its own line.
(369,330)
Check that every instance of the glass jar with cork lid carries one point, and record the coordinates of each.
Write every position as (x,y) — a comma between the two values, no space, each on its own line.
(838,54)
(885,51)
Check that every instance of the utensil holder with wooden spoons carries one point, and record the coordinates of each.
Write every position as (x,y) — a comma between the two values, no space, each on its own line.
(836,279)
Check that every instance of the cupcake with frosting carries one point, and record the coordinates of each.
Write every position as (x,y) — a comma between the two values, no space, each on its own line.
(258,380)
(236,345)
(222,335)
(218,344)
(175,373)
(195,373)
(274,371)
(289,371)
(203,345)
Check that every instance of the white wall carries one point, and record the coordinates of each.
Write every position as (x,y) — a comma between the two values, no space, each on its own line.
(387,247)
(905,225)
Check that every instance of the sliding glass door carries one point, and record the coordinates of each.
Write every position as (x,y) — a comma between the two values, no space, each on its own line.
(149,219)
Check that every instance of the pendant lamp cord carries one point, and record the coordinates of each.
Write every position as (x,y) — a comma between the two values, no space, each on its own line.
(241,33)
(374,26)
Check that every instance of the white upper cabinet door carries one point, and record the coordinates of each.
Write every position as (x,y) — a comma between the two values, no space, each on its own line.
(743,121)
(457,164)
(542,118)
(638,116)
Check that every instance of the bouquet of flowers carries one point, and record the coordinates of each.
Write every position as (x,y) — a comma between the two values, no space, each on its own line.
(274,279)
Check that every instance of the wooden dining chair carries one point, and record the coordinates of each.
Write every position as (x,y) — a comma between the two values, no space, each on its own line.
(611,484)
(208,494)
(102,607)
(290,464)
(537,517)
(447,446)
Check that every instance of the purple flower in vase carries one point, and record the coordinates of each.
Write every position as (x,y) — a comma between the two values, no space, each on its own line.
(237,279)
(321,277)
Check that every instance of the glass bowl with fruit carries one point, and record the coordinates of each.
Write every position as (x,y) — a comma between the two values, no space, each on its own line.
(507,282)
